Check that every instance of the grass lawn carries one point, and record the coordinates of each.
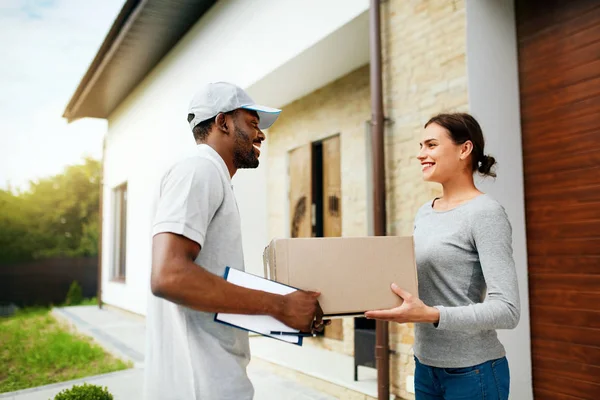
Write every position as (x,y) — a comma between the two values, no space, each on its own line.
(37,350)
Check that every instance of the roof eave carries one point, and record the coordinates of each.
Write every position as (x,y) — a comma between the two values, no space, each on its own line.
(114,36)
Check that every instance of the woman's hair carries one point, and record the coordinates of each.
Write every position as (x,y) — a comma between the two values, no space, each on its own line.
(462,127)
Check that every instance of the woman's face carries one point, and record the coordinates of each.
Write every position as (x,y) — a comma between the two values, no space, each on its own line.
(441,158)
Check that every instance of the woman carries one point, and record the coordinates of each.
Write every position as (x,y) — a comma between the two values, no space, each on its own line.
(467,279)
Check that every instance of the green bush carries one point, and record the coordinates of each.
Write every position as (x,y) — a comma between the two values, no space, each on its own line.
(74,295)
(85,392)
(92,301)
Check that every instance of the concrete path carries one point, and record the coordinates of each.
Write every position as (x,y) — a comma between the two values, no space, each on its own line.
(123,385)
(123,334)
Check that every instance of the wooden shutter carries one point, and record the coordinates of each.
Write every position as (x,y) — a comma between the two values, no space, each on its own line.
(332,188)
(332,209)
(300,173)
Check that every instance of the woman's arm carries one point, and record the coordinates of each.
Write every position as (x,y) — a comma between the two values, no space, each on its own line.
(492,234)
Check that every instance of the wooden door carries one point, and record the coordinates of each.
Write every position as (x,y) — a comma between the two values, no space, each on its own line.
(559,70)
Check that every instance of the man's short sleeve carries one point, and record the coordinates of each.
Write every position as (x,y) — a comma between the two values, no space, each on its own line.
(190,195)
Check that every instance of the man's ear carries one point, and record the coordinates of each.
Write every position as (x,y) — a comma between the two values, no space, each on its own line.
(221,122)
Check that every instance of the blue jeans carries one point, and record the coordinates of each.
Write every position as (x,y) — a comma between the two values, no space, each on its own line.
(487,381)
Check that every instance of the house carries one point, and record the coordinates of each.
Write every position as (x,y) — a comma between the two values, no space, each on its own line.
(528,70)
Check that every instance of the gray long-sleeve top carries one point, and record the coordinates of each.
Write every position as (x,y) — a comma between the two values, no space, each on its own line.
(461,254)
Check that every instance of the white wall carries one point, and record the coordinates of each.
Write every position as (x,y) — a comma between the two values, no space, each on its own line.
(251,194)
(238,41)
(494,100)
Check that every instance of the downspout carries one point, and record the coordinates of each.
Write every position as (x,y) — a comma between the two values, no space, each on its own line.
(379,193)
(100,224)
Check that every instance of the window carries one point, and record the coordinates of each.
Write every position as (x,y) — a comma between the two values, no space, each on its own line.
(119,233)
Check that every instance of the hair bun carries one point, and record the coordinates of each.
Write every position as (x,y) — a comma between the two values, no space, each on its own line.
(485,166)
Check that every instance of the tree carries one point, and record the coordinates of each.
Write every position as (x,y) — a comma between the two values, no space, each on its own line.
(57,216)
(16,237)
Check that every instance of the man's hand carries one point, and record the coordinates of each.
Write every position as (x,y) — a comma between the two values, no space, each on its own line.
(412,310)
(301,310)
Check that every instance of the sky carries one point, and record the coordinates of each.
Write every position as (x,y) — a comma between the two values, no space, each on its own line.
(46,46)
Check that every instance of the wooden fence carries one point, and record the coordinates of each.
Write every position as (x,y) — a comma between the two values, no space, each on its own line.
(47,281)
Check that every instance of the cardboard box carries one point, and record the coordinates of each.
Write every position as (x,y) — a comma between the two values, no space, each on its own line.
(353,274)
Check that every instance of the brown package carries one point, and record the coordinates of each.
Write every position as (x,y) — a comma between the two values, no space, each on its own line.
(353,274)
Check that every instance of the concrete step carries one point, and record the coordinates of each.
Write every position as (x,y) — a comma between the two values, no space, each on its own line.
(327,371)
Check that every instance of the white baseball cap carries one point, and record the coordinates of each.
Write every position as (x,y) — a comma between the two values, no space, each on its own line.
(222,97)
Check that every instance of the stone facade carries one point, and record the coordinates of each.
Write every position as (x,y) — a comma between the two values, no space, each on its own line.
(425,72)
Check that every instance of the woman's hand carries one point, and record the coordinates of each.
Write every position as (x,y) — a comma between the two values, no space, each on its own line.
(412,310)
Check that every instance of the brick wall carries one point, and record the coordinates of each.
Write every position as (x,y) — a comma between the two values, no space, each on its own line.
(424,60)
(425,72)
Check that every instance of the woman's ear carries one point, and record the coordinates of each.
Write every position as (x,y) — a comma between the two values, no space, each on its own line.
(466,149)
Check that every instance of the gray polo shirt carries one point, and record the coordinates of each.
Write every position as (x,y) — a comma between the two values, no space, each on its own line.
(188,355)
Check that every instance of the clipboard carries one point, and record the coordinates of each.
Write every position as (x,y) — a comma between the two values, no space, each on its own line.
(260,324)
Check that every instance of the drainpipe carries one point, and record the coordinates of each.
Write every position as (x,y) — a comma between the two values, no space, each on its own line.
(100,224)
(379,194)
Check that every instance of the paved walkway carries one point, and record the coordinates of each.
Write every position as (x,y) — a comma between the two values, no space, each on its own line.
(123,334)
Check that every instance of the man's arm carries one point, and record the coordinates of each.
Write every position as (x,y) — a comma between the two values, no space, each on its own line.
(176,278)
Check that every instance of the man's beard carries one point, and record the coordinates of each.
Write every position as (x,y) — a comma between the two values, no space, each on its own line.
(242,157)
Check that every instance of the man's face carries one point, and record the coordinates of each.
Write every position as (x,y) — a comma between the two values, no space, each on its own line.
(247,139)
